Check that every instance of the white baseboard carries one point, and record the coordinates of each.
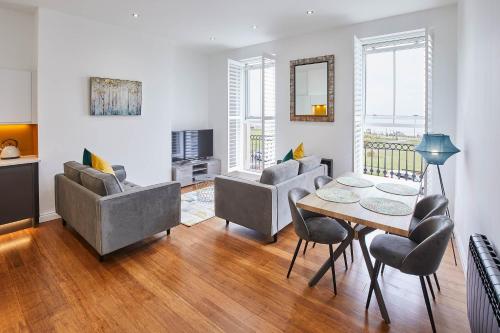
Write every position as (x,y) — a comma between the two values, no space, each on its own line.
(461,252)
(48,216)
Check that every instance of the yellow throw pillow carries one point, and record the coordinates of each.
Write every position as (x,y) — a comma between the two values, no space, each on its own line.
(298,153)
(101,165)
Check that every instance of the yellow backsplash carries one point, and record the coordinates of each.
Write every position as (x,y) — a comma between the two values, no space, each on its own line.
(25,134)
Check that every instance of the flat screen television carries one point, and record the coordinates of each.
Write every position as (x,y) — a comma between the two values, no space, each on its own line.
(192,144)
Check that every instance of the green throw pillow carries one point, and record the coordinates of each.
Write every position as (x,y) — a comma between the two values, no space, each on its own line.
(288,156)
(87,158)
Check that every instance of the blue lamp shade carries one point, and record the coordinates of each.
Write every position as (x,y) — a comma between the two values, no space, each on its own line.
(436,148)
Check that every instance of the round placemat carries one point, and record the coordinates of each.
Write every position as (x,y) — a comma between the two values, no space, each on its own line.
(398,189)
(337,195)
(386,206)
(354,181)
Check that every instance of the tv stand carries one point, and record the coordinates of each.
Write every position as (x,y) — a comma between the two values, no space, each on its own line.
(189,172)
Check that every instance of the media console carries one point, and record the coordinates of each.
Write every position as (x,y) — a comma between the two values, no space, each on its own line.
(195,171)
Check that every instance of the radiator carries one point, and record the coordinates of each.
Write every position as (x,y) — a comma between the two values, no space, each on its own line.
(483,286)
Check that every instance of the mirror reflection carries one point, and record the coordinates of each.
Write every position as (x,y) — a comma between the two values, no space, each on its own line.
(311,89)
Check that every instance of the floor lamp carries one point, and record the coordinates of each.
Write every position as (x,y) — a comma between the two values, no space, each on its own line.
(436,149)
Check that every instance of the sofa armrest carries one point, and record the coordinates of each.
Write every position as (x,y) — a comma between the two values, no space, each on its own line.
(247,203)
(141,212)
(120,172)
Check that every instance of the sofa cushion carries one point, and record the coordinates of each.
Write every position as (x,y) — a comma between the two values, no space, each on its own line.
(127,186)
(309,163)
(277,174)
(120,172)
(99,182)
(72,171)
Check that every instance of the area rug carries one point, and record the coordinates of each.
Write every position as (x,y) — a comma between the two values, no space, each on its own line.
(194,211)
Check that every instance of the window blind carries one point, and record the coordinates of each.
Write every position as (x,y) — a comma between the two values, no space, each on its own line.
(235,106)
(359,98)
(269,110)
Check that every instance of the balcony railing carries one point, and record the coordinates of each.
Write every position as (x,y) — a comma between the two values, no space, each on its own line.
(392,159)
(256,149)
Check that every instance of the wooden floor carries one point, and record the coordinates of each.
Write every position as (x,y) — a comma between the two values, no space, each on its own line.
(204,279)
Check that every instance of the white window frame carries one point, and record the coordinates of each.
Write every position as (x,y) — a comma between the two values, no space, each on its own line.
(359,89)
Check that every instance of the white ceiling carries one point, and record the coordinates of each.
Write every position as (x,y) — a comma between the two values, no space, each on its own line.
(193,22)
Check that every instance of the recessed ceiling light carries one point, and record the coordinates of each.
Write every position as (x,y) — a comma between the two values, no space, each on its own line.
(135,15)
(254,27)
(310,12)
(212,38)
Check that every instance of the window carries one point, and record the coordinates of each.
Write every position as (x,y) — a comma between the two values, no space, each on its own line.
(251,113)
(253,92)
(392,100)
(395,86)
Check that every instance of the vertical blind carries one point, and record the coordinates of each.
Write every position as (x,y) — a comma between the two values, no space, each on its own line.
(234,109)
(268,111)
(358,105)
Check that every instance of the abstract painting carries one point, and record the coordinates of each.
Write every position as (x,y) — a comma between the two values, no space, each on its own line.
(111,97)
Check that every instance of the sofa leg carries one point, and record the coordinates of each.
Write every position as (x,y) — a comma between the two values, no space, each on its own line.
(63,222)
(168,232)
(227,223)
(275,238)
(101,258)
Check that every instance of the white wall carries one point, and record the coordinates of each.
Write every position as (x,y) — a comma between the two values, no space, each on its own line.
(477,184)
(70,50)
(190,72)
(17,39)
(335,140)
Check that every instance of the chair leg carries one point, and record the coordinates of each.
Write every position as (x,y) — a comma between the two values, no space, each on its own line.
(305,248)
(430,287)
(352,254)
(294,257)
(345,261)
(227,223)
(168,232)
(314,244)
(374,277)
(437,282)
(427,303)
(333,269)
(453,249)
(382,271)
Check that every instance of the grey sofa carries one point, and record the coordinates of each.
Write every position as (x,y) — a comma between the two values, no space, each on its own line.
(109,212)
(263,205)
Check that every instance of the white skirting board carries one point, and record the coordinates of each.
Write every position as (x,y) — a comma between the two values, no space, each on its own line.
(49,216)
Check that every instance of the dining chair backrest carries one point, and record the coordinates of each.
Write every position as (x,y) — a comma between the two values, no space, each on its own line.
(299,223)
(431,205)
(321,181)
(432,236)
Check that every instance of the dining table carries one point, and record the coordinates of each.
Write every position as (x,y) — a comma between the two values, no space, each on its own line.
(364,221)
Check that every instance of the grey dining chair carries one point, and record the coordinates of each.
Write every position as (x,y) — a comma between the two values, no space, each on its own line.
(420,254)
(313,227)
(319,182)
(431,205)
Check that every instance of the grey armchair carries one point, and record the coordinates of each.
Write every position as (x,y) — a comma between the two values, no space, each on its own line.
(310,226)
(420,254)
(110,212)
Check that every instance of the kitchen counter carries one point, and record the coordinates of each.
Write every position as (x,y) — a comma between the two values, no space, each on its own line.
(21,160)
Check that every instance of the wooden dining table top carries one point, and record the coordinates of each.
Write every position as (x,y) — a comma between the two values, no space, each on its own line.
(355,213)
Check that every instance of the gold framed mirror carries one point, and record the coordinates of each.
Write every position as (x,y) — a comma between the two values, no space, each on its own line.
(312,89)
